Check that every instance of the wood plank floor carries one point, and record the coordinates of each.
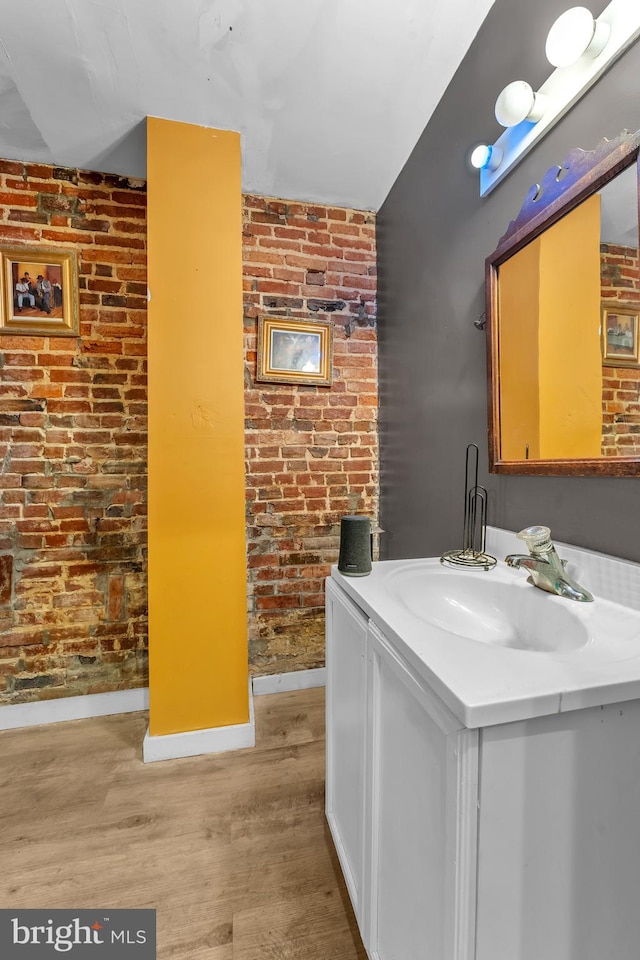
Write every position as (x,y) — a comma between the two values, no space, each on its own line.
(232,850)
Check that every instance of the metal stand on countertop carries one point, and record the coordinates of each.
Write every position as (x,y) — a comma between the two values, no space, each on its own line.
(474,534)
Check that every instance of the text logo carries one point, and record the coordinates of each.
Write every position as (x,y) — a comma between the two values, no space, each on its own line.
(99,934)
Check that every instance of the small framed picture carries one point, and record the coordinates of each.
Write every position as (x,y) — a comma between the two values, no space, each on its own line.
(295,351)
(39,291)
(619,332)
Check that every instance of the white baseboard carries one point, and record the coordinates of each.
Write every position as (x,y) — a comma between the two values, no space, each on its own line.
(296,680)
(15,715)
(194,743)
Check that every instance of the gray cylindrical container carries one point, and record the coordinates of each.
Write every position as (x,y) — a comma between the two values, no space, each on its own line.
(355,546)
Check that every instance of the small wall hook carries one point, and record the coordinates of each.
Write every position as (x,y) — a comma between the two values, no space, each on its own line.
(481,322)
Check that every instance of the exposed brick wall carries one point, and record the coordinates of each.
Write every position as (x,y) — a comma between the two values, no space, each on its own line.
(73,437)
(73,615)
(312,452)
(620,283)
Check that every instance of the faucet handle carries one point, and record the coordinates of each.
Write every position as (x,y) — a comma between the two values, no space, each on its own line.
(538,539)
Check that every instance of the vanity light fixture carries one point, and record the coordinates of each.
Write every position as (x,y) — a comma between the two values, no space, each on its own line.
(484,157)
(582,49)
(518,102)
(576,34)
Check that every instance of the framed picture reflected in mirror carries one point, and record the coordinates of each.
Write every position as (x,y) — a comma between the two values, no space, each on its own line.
(620,335)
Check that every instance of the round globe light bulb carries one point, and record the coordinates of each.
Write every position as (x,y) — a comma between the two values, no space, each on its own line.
(574,34)
(480,156)
(518,102)
(485,157)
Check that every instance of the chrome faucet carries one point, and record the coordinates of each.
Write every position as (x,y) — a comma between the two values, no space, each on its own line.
(547,570)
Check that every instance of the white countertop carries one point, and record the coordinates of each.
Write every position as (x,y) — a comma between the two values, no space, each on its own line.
(486,683)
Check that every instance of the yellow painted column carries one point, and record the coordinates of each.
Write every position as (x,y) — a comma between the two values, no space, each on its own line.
(198,663)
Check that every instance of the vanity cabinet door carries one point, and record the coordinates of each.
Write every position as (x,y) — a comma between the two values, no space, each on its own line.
(423,817)
(346,658)
(559,837)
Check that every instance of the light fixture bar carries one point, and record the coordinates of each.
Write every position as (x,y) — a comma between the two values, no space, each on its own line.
(563,88)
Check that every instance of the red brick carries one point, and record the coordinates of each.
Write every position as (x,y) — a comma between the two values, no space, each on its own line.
(115,606)
(10,232)
(12,167)
(133,198)
(18,199)
(277,603)
(289,233)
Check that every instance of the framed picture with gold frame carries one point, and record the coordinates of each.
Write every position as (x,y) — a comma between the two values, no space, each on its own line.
(39,291)
(619,331)
(295,351)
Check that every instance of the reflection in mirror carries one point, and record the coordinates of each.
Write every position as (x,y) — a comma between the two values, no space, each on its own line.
(568,362)
(620,294)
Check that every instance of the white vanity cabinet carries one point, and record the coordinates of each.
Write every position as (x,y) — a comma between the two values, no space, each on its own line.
(420,814)
(346,658)
(401,796)
(511,841)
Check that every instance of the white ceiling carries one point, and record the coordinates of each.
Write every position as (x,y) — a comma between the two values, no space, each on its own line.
(330,96)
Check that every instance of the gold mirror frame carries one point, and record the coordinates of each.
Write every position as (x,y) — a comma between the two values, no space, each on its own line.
(564,187)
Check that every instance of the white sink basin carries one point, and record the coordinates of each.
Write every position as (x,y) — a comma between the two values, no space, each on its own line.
(497,649)
(479,606)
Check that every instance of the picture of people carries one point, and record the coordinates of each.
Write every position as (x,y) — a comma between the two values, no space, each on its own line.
(39,291)
(620,335)
(620,332)
(295,351)
(35,286)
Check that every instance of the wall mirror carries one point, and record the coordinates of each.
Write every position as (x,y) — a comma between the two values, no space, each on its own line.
(563,311)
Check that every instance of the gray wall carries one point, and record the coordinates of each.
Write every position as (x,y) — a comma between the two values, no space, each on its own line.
(434,232)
